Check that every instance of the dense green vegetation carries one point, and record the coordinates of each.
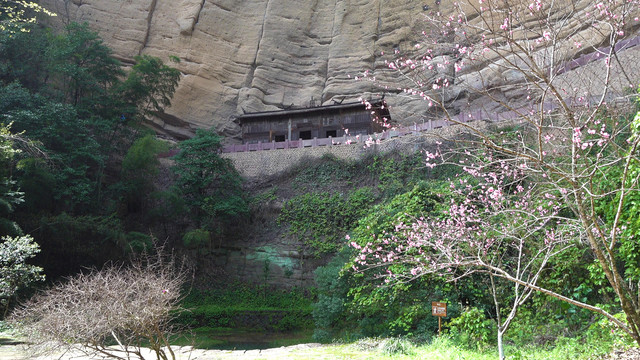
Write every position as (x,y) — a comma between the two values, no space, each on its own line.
(353,305)
(80,168)
(319,218)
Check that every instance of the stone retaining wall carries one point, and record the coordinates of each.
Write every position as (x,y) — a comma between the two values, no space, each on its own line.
(257,164)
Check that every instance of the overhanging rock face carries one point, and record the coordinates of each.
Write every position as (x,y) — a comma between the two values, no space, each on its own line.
(245,56)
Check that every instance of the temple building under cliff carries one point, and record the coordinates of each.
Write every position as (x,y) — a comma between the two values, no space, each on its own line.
(330,121)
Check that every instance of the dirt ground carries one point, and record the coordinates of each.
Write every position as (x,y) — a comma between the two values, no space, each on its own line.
(631,354)
(11,350)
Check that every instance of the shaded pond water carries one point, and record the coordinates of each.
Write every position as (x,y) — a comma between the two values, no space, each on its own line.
(231,339)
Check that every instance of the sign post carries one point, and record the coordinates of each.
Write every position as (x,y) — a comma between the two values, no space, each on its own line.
(439,309)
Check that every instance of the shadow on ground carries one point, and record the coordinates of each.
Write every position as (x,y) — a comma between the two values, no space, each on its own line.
(10,341)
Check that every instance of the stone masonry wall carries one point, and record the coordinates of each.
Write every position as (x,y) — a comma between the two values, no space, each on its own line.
(254,165)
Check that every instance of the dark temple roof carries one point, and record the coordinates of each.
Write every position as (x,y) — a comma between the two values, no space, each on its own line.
(310,110)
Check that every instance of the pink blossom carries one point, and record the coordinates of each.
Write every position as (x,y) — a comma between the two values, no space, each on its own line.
(505,24)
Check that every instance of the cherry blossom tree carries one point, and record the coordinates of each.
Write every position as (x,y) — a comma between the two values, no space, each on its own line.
(565,170)
(496,224)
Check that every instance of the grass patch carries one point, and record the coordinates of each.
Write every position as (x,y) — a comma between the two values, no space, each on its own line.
(445,348)
(247,307)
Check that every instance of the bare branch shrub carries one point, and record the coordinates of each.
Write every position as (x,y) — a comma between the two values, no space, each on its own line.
(112,312)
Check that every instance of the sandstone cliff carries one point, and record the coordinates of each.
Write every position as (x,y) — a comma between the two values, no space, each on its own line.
(253,55)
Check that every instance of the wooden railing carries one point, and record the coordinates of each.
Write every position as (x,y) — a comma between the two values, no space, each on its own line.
(363,139)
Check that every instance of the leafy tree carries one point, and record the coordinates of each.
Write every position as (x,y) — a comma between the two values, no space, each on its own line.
(67,93)
(24,58)
(211,186)
(82,70)
(9,195)
(15,273)
(566,137)
(65,137)
(138,243)
(329,310)
(75,67)
(73,242)
(15,14)
(141,160)
(149,85)
(624,208)
(196,239)
(139,166)
(15,248)
(168,210)
(38,184)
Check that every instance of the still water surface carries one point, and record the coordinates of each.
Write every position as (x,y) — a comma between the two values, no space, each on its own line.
(242,340)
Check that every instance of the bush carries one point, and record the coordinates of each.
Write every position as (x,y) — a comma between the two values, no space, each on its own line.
(393,346)
(130,306)
(473,327)
(329,310)
(15,273)
(323,173)
(605,332)
(196,239)
(139,242)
